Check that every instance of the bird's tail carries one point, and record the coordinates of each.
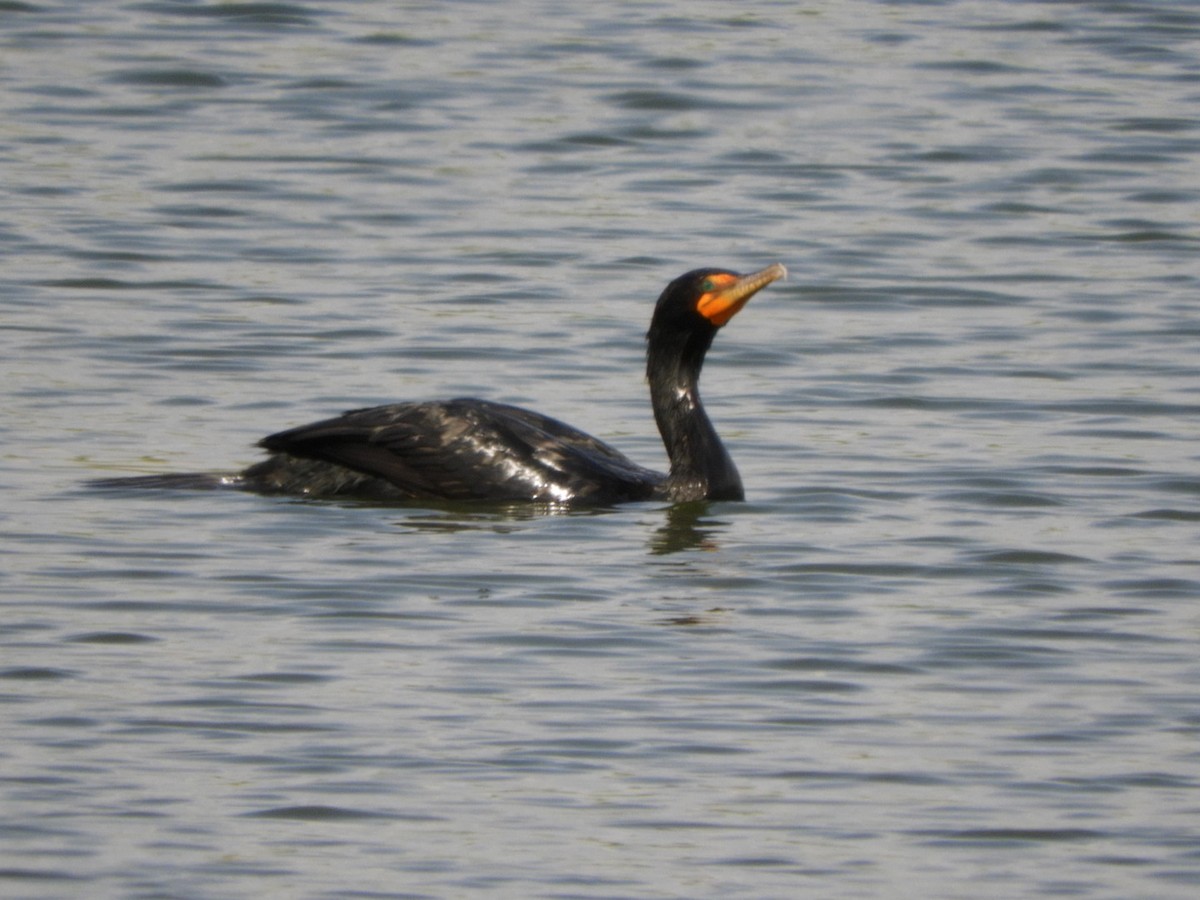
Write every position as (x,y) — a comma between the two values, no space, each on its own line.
(180,481)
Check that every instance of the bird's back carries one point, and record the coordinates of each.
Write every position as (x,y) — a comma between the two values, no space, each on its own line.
(464,449)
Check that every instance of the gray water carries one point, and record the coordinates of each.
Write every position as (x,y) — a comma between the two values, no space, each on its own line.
(948,646)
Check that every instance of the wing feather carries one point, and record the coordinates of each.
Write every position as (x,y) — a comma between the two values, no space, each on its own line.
(469,449)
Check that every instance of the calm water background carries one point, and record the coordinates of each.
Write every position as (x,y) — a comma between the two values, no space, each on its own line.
(947,648)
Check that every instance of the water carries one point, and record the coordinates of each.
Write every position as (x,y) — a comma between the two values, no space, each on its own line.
(947,646)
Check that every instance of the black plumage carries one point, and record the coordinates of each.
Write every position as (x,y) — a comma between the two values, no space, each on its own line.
(470,449)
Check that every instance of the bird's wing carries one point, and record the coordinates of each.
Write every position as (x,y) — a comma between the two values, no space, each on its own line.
(469,449)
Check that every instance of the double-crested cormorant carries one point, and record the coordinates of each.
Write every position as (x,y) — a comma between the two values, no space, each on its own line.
(470,449)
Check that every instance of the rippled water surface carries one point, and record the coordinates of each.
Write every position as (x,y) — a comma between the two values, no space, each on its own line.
(948,646)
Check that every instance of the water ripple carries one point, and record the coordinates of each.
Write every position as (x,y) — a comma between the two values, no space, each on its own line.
(953,621)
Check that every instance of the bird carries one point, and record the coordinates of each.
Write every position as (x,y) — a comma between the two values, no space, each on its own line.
(468,449)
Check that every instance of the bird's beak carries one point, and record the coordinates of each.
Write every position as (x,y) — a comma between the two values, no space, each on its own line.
(726,300)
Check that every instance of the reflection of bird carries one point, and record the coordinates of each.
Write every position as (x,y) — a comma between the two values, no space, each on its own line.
(478,450)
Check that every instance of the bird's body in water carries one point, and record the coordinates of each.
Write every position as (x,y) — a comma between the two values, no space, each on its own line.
(469,449)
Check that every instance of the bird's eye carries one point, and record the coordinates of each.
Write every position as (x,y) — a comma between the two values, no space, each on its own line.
(707,285)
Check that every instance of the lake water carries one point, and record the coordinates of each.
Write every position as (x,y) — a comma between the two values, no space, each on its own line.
(948,646)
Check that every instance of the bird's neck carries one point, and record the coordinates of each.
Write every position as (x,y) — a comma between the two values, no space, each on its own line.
(701,468)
